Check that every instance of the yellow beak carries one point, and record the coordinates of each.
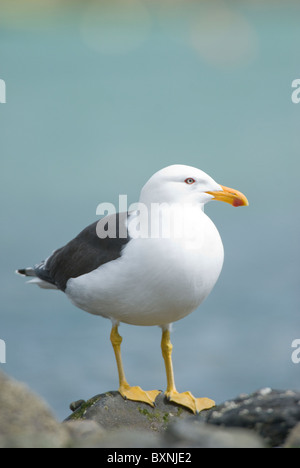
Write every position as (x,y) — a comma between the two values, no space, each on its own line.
(231,196)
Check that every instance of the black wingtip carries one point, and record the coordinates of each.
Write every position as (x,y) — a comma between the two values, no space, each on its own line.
(21,272)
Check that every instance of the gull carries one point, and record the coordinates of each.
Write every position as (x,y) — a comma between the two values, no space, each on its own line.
(156,267)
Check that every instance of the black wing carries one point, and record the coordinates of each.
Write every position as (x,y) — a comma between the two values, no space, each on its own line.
(83,254)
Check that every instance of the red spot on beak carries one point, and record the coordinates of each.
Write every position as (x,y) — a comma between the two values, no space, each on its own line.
(237,202)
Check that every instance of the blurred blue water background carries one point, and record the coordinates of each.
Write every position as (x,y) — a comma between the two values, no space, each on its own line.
(99,97)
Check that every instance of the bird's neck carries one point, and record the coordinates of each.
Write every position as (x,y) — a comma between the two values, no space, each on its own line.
(165,220)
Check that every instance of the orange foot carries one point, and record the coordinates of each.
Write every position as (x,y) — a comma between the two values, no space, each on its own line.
(137,394)
(189,401)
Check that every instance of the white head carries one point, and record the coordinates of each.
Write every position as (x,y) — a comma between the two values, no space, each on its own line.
(186,184)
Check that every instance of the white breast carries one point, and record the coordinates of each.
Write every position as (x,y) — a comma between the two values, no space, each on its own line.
(155,281)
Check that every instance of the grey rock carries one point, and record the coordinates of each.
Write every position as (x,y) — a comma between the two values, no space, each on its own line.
(192,432)
(270,413)
(112,412)
(293,439)
(25,419)
(84,434)
(75,405)
(133,438)
(264,418)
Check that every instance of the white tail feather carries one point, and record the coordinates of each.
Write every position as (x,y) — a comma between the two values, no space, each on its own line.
(42,284)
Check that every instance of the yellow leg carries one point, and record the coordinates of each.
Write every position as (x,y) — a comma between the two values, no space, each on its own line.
(131,393)
(185,399)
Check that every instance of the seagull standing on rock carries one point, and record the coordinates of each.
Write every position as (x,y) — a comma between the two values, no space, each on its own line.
(153,276)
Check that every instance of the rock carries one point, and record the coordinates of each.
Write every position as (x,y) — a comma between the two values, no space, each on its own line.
(264,418)
(166,425)
(112,412)
(270,413)
(192,432)
(89,434)
(76,405)
(25,419)
(293,440)
(83,434)
(124,438)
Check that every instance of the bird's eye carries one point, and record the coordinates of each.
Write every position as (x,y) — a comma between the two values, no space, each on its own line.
(189,180)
